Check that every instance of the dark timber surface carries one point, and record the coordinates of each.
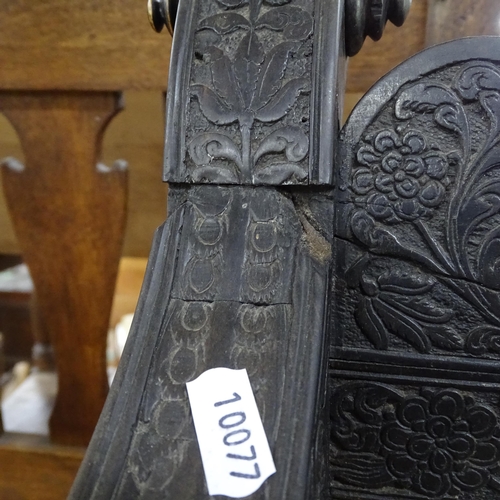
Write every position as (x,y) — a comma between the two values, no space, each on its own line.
(356,276)
(239,274)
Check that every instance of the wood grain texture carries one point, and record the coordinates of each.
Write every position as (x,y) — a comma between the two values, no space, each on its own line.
(33,469)
(9,146)
(2,370)
(15,325)
(449,19)
(135,134)
(376,58)
(70,230)
(91,45)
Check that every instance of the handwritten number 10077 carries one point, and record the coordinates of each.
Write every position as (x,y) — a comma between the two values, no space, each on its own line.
(236,435)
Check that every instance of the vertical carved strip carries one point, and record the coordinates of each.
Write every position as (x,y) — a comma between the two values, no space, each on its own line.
(69,214)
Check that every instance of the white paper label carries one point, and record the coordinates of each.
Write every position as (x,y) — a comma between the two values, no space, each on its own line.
(233,444)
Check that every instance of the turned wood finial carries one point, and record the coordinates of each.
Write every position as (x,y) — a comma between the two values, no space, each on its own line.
(162,13)
(362,18)
(368,18)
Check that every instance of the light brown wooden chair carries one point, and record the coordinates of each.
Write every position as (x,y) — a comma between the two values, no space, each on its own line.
(64,68)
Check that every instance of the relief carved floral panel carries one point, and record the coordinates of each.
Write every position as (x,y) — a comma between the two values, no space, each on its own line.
(424,208)
(251,66)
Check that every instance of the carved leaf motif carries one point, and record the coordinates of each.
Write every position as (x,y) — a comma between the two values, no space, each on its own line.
(365,470)
(223,78)
(421,310)
(279,173)
(405,284)
(225,23)
(483,204)
(370,323)
(402,326)
(295,22)
(212,106)
(380,240)
(398,302)
(432,98)
(445,338)
(247,64)
(371,235)
(478,77)
(271,74)
(477,217)
(205,147)
(354,273)
(491,103)
(484,300)
(282,101)
(291,140)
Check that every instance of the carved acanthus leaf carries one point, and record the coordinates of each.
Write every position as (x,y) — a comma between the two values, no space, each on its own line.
(291,140)
(212,106)
(205,147)
(283,100)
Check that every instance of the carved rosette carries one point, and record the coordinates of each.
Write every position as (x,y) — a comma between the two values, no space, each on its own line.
(428,443)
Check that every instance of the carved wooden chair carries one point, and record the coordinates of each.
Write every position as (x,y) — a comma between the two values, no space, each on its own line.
(77,87)
(354,275)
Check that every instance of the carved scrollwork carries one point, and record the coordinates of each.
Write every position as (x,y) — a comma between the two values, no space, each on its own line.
(438,443)
(427,190)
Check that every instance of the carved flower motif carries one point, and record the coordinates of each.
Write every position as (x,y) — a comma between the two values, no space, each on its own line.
(398,304)
(441,443)
(400,178)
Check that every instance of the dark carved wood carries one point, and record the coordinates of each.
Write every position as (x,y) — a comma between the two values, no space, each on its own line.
(412,226)
(263,82)
(415,385)
(239,273)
